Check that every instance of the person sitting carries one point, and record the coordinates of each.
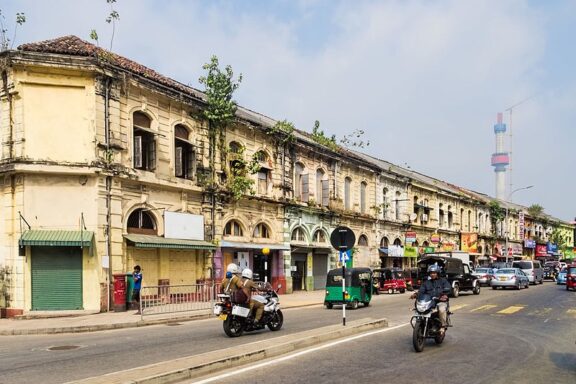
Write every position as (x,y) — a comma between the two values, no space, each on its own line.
(438,287)
(249,286)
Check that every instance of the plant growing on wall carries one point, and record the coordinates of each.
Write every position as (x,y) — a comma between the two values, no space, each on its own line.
(497,214)
(319,137)
(112,18)
(220,107)
(283,132)
(5,42)
(239,181)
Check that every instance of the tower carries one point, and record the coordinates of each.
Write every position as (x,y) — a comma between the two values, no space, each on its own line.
(500,158)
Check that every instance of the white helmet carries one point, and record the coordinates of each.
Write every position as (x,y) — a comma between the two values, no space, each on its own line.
(232,268)
(247,273)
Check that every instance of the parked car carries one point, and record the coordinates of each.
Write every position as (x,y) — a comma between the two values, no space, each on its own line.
(510,278)
(561,278)
(532,269)
(571,277)
(456,272)
(484,275)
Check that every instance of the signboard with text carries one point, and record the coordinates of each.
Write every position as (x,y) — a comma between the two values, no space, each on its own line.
(470,242)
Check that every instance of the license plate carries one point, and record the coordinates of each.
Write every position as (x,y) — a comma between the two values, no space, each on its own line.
(502,278)
(223,316)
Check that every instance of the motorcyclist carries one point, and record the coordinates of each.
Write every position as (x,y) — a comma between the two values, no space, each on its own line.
(232,282)
(439,287)
(249,286)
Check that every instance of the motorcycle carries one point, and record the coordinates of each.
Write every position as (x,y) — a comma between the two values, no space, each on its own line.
(426,322)
(237,318)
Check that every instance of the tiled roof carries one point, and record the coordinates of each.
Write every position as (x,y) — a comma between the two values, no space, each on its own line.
(75,46)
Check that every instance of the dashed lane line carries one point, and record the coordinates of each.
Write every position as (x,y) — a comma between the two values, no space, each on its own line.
(571,312)
(511,309)
(484,308)
(457,307)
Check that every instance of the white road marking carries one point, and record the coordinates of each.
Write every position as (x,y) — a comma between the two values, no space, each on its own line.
(294,355)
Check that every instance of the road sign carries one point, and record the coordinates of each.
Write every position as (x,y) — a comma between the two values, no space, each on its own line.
(344,256)
(342,238)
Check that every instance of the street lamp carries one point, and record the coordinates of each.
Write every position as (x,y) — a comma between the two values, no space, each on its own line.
(507,229)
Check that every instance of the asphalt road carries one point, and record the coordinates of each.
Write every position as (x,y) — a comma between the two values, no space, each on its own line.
(498,337)
(25,359)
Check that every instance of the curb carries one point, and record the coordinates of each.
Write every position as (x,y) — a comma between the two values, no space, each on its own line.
(192,367)
(108,327)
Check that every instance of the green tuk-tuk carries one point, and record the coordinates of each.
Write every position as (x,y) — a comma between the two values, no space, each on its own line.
(358,287)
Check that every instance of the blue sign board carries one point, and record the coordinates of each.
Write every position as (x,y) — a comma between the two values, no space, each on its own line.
(530,243)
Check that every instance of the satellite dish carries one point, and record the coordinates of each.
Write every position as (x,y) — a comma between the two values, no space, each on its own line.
(413,216)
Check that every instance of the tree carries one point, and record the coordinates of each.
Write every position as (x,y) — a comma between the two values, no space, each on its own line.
(535,210)
(112,18)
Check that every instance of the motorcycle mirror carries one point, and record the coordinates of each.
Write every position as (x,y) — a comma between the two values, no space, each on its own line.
(279,286)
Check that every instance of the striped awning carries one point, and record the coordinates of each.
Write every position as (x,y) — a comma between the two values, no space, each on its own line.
(150,241)
(55,238)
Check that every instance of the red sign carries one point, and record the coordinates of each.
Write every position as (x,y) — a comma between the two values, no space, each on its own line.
(541,250)
(435,238)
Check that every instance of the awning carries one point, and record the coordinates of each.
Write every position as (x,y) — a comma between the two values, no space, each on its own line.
(150,241)
(241,245)
(46,238)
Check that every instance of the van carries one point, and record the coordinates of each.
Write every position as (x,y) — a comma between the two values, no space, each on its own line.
(532,269)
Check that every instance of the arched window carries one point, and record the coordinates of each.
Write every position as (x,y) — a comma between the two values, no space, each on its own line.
(141,221)
(347,187)
(184,158)
(462,218)
(261,230)
(362,241)
(300,183)
(384,242)
(397,208)
(450,218)
(363,186)
(469,220)
(385,202)
(144,143)
(235,147)
(264,173)
(441,216)
(319,236)
(425,244)
(322,188)
(261,157)
(298,235)
(397,242)
(233,228)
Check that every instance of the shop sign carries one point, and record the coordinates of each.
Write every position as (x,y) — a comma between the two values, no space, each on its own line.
(395,251)
(448,246)
(569,254)
(530,243)
(551,247)
(410,251)
(410,237)
(516,249)
(541,250)
(469,242)
(435,238)
(521,224)
(427,249)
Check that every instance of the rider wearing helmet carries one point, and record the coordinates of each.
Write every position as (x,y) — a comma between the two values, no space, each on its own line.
(439,287)
(232,282)
(250,286)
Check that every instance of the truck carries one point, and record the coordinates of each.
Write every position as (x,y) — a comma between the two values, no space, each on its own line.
(464,256)
(458,273)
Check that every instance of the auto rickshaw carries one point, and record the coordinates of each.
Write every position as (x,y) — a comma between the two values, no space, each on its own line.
(389,280)
(358,287)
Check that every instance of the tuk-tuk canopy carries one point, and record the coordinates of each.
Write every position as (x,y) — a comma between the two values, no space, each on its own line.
(354,276)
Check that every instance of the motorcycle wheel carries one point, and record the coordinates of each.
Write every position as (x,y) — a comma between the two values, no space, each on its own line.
(277,320)
(418,336)
(233,327)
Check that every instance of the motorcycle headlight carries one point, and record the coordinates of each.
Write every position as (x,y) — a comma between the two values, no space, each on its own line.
(422,306)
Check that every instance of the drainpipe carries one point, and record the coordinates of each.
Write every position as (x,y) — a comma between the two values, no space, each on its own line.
(108,189)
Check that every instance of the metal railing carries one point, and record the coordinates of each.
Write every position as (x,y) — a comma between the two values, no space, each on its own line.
(166,299)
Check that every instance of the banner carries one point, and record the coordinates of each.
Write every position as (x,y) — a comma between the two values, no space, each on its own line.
(469,242)
(541,250)
(410,251)
(551,247)
(395,251)
(521,224)
(530,243)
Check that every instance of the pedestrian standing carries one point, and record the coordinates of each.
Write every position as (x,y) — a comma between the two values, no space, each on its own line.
(137,276)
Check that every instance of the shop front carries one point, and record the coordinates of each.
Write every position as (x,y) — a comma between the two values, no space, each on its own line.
(529,248)
(309,266)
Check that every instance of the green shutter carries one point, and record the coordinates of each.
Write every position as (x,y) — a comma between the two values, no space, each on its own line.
(56,278)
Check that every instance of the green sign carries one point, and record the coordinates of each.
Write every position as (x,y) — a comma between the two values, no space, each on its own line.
(410,251)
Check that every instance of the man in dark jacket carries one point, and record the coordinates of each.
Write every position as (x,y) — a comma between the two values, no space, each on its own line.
(439,287)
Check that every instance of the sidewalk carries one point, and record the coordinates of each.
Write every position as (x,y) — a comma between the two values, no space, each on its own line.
(115,320)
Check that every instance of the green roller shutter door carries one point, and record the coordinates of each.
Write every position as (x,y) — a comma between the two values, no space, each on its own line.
(56,278)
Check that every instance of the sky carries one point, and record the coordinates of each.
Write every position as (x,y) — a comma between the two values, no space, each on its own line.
(423,79)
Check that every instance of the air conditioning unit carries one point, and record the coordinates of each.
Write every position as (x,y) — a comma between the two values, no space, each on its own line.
(424,217)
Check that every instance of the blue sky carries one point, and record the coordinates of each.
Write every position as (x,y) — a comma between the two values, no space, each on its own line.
(423,79)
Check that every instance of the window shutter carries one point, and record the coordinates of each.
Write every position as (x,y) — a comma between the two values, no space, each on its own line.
(178,162)
(190,166)
(137,151)
(325,192)
(152,155)
(305,188)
